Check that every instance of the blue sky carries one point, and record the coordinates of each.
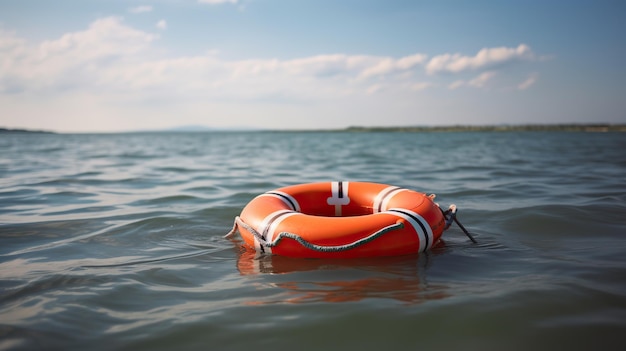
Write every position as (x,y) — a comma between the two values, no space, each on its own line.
(117,65)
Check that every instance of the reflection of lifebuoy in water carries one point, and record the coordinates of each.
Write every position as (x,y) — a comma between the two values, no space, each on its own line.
(394,278)
(342,220)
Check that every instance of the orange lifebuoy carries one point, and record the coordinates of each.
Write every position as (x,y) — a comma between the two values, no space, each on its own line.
(342,220)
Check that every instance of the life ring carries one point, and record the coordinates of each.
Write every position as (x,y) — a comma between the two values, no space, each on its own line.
(342,220)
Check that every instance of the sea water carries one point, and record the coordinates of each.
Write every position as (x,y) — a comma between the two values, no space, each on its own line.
(115,242)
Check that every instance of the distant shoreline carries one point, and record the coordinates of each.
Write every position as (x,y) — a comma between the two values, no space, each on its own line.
(21,131)
(571,127)
(599,127)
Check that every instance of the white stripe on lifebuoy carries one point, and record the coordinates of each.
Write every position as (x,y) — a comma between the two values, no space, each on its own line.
(286,198)
(378,200)
(388,198)
(271,232)
(265,227)
(421,226)
(381,203)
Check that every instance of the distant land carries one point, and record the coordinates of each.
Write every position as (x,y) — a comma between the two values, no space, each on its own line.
(572,127)
(595,127)
(7,130)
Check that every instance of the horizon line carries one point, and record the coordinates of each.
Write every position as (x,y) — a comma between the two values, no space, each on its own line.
(593,127)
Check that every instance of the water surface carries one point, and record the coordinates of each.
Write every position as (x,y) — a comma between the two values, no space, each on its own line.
(115,242)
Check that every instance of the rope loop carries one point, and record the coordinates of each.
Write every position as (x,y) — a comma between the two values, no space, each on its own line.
(450,216)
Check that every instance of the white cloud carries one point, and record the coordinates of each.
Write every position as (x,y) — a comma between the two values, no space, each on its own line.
(478,82)
(140,9)
(531,80)
(409,62)
(481,80)
(419,86)
(486,57)
(162,24)
(112,63)
(104,38)
(73,59)
(390,65)
(216,2)
(112,57)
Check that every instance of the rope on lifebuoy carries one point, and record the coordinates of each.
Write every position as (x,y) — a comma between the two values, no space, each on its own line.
(308,245)
(450,216)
